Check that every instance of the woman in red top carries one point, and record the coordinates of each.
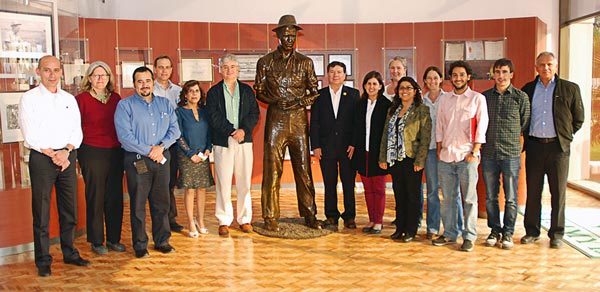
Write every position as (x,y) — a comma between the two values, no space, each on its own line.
(101,158)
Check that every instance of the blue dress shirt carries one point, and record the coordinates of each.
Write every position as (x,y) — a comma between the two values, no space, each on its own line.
(141,125)
(542,116)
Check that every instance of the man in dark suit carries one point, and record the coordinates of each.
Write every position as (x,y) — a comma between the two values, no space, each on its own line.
(331,131)
(556,114)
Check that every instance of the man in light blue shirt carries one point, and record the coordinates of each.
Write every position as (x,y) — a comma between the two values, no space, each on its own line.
(146,127)
(163,67)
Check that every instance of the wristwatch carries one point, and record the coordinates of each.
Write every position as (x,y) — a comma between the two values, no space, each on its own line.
(476,154)
(68,149)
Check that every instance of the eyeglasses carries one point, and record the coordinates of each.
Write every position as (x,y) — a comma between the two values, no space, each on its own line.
(405,88)
(231,67)
(98,76)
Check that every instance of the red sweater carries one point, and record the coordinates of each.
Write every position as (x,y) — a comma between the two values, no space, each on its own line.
(97,120)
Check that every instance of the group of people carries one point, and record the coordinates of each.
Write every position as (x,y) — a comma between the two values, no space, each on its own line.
(162,135)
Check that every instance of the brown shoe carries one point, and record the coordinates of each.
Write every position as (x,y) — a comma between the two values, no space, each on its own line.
(331,221)
(312,222)
(350,224)
(246,227)
(223,230)
(271,225)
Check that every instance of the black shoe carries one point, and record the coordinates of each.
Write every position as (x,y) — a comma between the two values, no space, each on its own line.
(44,271)
(367,229)
(440,241)
(375,231)
(492,239)
(165,248)
(527,239)
(176,227)
(408,238)
(397,235)
(142,253)
(350,223)
(115,246)
(556,243)
(467,246)
(77,262)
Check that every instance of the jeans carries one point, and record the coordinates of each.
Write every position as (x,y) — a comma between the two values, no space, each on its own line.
(491,169)
(458,178)
(433,195)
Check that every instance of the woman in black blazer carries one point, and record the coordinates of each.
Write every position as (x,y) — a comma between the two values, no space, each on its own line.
(370,114)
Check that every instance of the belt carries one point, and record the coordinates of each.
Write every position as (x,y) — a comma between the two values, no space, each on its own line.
(543,140)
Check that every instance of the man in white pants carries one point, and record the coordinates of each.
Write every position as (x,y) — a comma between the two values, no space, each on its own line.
(232,114)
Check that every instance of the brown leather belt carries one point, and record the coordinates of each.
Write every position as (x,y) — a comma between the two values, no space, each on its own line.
(543,140)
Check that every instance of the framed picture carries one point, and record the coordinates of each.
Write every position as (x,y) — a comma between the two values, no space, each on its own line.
(247,65)
(407,54)
(480,54)
(9,107)
(127,68)
(349,83)
(318,61)
(344,58)
(197,69)
(25,35)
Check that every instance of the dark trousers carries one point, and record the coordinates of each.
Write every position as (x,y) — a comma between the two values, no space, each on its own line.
(407,187)
(329,168)
(152,186)
(546,159)
(174,168)
(45,174)
(102,170)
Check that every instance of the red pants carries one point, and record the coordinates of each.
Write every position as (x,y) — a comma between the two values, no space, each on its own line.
(375,197)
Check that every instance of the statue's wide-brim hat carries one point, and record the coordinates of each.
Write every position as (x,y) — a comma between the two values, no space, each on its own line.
(287,20)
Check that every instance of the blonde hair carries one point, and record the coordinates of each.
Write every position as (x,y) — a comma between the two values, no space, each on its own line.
(85,83)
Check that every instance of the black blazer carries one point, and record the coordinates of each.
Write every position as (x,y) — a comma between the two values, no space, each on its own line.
(333,135)
(567,108)
(359,160)
(217,116)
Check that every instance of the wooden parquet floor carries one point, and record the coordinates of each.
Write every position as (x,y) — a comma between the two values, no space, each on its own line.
(344,261)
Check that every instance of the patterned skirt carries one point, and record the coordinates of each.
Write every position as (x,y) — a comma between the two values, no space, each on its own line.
(193,175)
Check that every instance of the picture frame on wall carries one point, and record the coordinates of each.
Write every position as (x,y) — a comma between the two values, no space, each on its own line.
(344,58)
(25,35)
(319,63)
(9,114)
(200,69)
(127,68)
(407,53)
(480,54)
(247,65)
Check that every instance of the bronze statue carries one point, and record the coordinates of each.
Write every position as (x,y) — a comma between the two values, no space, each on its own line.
(286,81)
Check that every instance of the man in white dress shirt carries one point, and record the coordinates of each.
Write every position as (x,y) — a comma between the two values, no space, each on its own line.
(51,126)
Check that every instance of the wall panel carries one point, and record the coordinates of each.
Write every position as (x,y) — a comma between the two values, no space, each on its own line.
(132,33)
(224,36)
(369,56)
(194,35)
(398,35)
(102,36)
(340,36)
(164,40)
(253,36)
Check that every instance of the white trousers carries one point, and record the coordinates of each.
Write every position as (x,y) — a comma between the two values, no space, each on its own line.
(233,160)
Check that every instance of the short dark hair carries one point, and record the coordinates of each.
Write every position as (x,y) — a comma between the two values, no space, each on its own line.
(184,90)
(459,64)
(336,63)
(163,57)
(141,70)
(504,62)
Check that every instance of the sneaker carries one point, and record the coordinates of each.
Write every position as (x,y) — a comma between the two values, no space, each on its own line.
(507,242)
(467,245)
(442,241)
(492,239)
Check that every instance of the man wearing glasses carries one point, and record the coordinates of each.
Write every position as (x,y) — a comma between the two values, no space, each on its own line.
(462,121)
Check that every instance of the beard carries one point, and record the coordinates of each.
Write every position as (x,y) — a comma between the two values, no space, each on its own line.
(145,92)
(460,87)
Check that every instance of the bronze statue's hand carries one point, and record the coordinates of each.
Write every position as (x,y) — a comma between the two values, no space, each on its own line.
(288,104)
